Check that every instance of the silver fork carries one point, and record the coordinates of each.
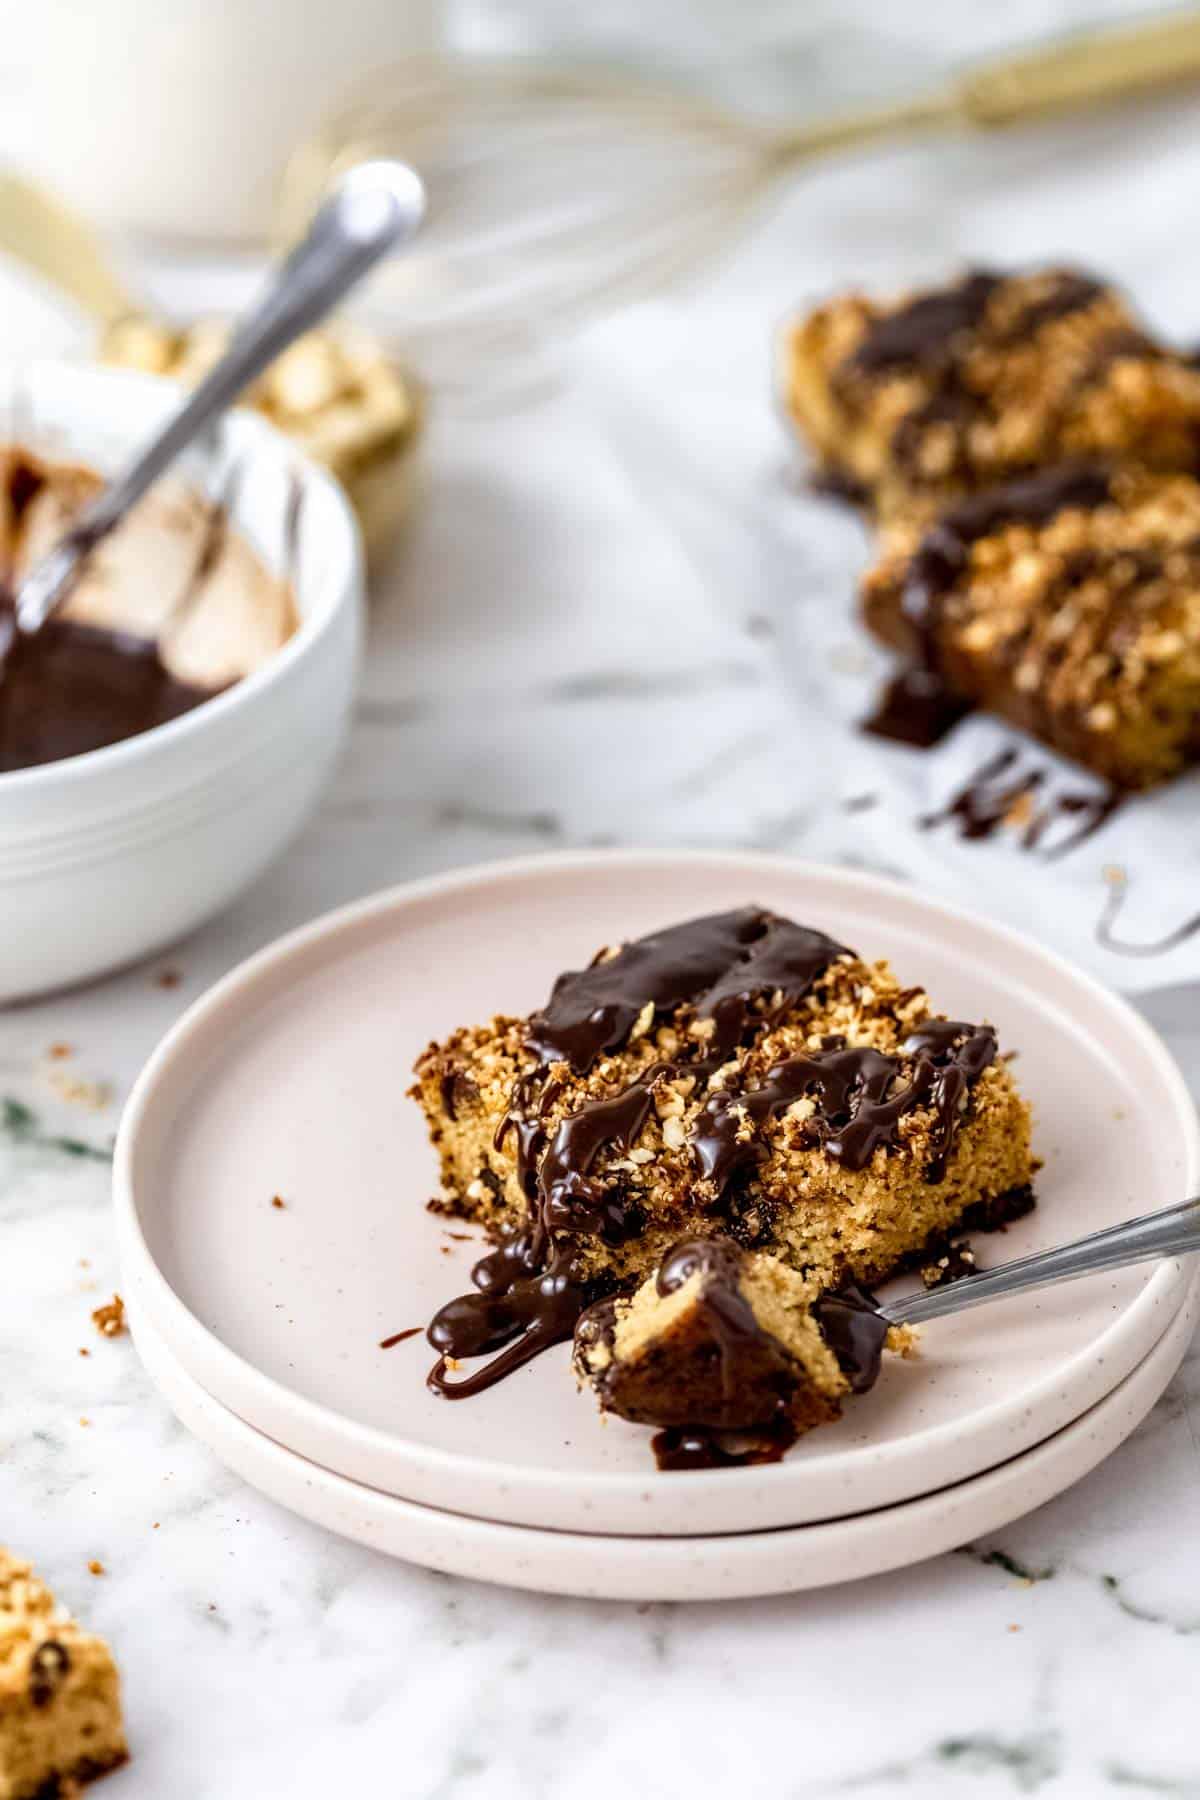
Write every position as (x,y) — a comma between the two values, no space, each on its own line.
(374,208)
(1172,1232)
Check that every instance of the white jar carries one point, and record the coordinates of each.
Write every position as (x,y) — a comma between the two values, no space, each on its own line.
(175,117)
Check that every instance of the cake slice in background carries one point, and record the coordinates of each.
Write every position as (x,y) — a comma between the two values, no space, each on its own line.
(60,1700)
(913,402)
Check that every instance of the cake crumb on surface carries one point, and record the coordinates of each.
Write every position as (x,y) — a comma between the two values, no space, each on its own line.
(109,1320)
(78,1090)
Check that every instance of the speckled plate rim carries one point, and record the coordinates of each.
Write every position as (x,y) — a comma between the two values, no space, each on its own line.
(785,1494)
(739,1566)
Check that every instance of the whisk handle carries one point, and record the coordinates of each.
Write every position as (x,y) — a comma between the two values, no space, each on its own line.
(1082,71)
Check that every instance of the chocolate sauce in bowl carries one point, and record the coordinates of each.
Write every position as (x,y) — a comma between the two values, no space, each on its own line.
(70,687)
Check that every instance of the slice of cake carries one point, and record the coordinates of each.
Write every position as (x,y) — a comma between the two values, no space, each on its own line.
(60,1702)
(716,1336)
(739,1074)
(1069,603)
(915,401)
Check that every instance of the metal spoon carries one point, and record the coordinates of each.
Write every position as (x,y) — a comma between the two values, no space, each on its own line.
(375,207)
(1172,1232)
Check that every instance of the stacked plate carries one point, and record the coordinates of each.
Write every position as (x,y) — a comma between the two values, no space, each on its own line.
(262,1322)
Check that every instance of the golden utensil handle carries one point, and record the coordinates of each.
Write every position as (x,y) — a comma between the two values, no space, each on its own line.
(48,238)
(1080,71)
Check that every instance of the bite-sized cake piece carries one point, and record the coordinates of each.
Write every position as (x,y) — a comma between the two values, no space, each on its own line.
(739,1074)
(730,1339)
(915,401)
(1069,603)
(60,1700)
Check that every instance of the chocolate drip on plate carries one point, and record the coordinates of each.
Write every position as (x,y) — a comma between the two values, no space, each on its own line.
(683,1447)
(524,1304)
(399,1337)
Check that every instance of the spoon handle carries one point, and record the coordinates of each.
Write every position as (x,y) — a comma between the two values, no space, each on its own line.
(1172,1232)
(372,209)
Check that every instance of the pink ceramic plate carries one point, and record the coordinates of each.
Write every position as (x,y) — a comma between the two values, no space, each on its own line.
(289,1077)
(733,1567)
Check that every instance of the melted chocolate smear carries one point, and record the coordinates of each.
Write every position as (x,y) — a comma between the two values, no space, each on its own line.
(925,329)
(986,803)
(399,1337)
(861,1099)
(856,1331)
(722,964)
(1113,903)
(920,706)
(683,1447)
(916,708)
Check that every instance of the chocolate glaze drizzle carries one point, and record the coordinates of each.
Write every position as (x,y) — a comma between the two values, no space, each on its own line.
(924,330)
(920,705)
(531,1290)
(862,1099)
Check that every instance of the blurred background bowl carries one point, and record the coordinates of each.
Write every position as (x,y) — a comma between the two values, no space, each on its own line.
(110,856)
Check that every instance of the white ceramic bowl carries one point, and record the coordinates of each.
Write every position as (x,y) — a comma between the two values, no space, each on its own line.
(109,856)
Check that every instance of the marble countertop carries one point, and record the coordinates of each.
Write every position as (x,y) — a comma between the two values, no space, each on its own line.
(611,688)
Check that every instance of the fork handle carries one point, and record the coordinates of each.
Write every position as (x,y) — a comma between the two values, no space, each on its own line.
(372,209)
(1172,1232)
